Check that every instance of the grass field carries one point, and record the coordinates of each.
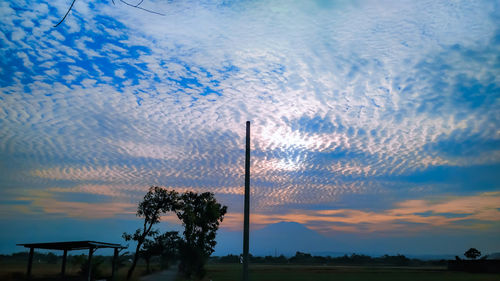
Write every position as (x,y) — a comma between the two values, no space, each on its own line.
(15,270)
(232,272)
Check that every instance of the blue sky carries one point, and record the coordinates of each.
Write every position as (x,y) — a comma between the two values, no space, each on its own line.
(374,119)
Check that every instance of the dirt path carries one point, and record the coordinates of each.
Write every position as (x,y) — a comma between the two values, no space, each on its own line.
(166,275)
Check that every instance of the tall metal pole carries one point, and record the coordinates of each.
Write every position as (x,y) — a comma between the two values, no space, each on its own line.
(246,220)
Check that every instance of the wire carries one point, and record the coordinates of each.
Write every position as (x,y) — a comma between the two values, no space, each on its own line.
(67,12)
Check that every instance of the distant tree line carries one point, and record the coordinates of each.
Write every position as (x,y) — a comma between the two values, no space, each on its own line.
(473,264)
(353,259)
(51,258)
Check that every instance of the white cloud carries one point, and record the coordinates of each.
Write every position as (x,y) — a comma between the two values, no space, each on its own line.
(194,76)
(120,73)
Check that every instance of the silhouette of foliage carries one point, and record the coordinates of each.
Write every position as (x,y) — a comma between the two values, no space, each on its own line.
(78,260)
(51,258)
(279,259)
(148,250)
(228,259)
(155,203)
(96,270)
(81,261)
(164,245)
(169,245)
(354,259)
(201,215)
(472,253)
(122,259)
(301,258)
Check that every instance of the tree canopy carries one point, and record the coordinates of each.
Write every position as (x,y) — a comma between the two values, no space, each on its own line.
(200,214)
(155,203)
(472,253)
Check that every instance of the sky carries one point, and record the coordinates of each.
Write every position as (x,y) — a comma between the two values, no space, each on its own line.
(371,120)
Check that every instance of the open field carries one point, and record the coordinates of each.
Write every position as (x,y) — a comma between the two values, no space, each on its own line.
(232,272)
(16,270)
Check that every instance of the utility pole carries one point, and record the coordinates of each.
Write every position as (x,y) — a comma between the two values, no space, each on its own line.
(246,220)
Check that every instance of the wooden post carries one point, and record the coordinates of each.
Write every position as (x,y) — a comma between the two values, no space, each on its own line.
(30,263)
(113,266)
(246,219)
(91,251)
(63,267)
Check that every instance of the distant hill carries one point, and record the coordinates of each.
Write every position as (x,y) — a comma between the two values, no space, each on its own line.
(280,238)
(494,256)
(432,257)
(287,238)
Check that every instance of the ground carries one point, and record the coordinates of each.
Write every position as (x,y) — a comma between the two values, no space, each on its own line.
(15,270)
(165,275)
(232,272)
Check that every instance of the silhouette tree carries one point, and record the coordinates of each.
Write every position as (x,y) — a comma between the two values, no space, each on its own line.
(472,253)
(148,250)
(301,257)
(169,245)
(156,202)
(164,245)
(201,215)
(51,258)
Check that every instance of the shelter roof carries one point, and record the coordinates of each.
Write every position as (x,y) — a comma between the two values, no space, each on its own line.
(71,245)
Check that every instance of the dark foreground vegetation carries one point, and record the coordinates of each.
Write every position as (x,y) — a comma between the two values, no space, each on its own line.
(490,266)
(354,259)
(200,214)
(473,265)
(297,272)
(300,267)
(47,266)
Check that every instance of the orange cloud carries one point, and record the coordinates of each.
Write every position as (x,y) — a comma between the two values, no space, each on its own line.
(85,210)
(422,214)
(407,216)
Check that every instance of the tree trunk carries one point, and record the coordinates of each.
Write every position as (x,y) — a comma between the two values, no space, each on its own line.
(134,262)
(148,269)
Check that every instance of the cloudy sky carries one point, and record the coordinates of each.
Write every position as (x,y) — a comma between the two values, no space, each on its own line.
(374,119)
